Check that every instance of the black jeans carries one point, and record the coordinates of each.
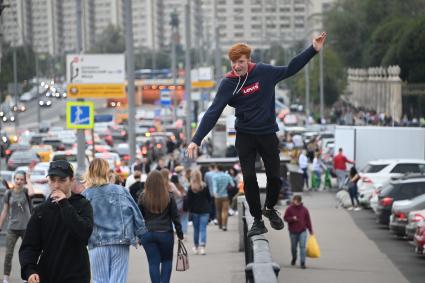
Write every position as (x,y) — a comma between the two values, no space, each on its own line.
(267,146)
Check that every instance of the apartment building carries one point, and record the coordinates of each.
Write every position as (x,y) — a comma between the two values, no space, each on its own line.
(17,22)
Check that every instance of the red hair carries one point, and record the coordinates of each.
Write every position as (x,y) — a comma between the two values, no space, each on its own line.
(238,50)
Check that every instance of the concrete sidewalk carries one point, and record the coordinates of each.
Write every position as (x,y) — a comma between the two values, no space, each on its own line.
(347,255)
(223,262)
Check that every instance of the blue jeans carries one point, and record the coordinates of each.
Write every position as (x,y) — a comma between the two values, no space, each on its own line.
(200,222)
(109,264)
(159,251)
(301,239)
(184,220)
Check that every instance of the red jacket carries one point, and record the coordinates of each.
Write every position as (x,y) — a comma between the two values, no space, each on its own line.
(339,162)
(302,221)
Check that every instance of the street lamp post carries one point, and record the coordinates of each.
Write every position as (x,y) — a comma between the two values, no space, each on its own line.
(130,80)
(187,80)
(174,27)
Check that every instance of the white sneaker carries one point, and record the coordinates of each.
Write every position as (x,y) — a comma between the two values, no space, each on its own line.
(350,208)
(358,208)
(215,221)
(5,281)
(231,212)
(202,250)
(195,250)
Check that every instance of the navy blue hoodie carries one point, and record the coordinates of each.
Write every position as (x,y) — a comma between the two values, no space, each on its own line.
(253,97)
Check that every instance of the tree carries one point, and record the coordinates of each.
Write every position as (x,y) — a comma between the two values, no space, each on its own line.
(334,79)
(351,24)
(410,52)
(110,41)
(25,61)
(383,39)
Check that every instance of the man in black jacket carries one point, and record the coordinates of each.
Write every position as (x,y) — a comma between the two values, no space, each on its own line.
(54,248)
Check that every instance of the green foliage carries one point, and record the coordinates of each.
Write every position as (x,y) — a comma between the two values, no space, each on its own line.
(25,62)
(353,24)
(110,41)
(333,79)
(410,52)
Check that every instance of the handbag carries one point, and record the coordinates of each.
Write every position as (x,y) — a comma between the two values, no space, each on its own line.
(182,263)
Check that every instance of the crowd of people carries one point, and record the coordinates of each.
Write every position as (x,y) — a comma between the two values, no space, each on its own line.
(84,230)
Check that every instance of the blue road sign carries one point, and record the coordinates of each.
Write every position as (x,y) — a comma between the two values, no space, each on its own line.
(80,115)
(165,97)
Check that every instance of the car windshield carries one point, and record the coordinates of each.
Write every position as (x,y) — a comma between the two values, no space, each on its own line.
(23,154)
(67,157)
(374,168)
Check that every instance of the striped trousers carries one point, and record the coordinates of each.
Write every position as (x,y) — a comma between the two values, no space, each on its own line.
(109,264)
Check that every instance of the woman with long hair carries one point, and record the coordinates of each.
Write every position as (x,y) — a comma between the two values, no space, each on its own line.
(160,212)
(198,202)
(17,207)
(117,224)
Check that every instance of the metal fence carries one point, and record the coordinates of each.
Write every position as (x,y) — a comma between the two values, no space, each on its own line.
(260,267)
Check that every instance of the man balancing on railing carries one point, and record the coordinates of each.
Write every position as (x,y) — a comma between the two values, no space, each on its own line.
(250,89)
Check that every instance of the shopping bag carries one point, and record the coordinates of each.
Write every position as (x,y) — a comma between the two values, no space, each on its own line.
(182,263)
(313,249)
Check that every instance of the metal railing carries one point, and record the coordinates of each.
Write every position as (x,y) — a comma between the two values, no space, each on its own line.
(260,267)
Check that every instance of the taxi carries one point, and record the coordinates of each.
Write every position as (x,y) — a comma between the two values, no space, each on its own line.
(45,152)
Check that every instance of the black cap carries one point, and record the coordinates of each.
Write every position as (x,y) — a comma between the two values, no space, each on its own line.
(61,168)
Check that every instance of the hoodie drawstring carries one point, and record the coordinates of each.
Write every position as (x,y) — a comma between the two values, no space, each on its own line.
(235,91)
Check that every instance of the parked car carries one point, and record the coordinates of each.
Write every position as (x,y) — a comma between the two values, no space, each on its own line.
(398,189)
(413,219)
(16,147)
(56,143)
(45,103)
(37,139)
(18,108)
(377,172)
(419,238)
(400,213)
(22,158)
(71,157)
(39,179)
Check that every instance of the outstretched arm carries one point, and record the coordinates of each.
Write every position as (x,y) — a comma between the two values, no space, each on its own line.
(210,118)
(299,61)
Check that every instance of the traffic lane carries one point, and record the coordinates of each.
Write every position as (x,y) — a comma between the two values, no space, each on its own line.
(399,251)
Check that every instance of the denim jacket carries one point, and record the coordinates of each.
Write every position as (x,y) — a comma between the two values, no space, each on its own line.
(117,218)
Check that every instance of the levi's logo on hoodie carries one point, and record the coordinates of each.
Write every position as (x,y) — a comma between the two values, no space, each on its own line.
(251,89)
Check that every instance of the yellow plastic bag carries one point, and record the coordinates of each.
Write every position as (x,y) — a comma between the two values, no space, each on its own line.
(313,249)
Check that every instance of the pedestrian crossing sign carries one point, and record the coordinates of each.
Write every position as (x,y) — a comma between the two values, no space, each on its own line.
(80,115)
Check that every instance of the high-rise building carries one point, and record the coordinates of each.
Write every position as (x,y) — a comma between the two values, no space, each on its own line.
(17,22)
(108,12)
(69,22)
(260,23)
(47,30)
